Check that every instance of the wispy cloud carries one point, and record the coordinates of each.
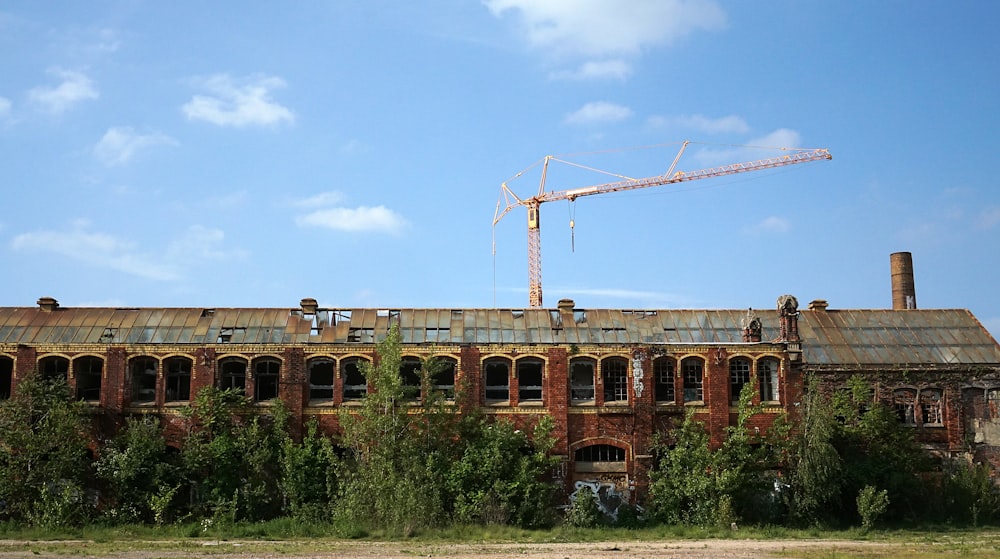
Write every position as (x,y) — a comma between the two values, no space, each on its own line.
(108,251)
(731,124)
(238,102)
(119,144)
(599,112)
(603,27)
(4,107)
(599,69)
(770,224)
(73,88)
(321,199)
(354,220)
(636,297)
(989,218)
(756,148)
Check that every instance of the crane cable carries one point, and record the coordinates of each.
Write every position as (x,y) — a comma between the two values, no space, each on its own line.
(572,225)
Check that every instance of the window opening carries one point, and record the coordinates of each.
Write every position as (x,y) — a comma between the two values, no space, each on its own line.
(739,376)
(178,379)
(409,372)
(321,377)
(444,377)
(663,370)
(614,373)
(355,384)
(599,453)
(903,403)
(361,335)
(930,407)
(87,371)
(54,367)
(529,380)
(497,372)
(266,373)
(6,377)
(143,379)
(692,369)
(581,380)
(767,372)
(233,374)
(993,403)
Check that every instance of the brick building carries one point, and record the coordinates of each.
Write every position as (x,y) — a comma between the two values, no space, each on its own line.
(610,378)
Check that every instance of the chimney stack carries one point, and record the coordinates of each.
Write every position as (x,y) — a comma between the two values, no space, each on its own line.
(48,304)
(904,295)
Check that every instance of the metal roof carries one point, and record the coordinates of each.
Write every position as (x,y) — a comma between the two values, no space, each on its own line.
(847,338)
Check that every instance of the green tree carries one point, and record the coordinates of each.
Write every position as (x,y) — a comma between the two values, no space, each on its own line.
(309,475)
(45,468)
(816,469)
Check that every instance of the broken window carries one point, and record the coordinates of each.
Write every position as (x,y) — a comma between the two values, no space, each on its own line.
(355,384)
(266,372)
(233,374)
(767,374)
(993,403)
(178,377)
(930,407)
(614,374)
(88,372)
(321,377)
(361,335)
(143,379)
(581,380)
(497,375)
(54,367)
(739,376)
(6,377)
(599,453)
(409,372)
(903,401)
(529,380)
(663,371)
(443,377)
(692,369)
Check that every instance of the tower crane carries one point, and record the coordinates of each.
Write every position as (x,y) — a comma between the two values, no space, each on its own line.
(509,200)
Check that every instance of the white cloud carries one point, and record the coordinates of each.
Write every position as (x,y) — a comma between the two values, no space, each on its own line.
(757,148)
(699,123)
(989,218)
(238,102)
(4,107)
(354,220)
(73,88)
(601,69)
(770,224)
(120,143)
(202,243)
(602,27)
(599,112)
(322,199)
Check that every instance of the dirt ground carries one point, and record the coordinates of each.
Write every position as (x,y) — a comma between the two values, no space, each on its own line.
(697,549)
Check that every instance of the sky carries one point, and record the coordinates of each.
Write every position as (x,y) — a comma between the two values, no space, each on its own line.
(250,154)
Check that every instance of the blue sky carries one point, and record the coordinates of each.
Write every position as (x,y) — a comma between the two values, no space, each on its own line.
(231,154)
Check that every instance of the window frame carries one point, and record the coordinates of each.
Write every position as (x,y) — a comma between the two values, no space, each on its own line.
(693,374)
(614,378)
(228,375)
(522,388)
(496,389)
(582,393)
(740,375)
(266,379)
(317,391)
(663,381)
(769,379)
(140,371)
(83,369)
(177,377)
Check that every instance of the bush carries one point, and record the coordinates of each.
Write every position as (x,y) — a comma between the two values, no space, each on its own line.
(872,504)
(584,511)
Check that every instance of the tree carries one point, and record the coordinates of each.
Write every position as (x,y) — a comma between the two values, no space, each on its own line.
(309,475)
(816,469)
(44,458)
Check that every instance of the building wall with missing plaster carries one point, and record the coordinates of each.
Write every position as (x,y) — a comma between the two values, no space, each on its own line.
(610,378)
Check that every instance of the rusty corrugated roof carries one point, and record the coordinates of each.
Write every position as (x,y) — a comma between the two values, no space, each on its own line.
(847,338)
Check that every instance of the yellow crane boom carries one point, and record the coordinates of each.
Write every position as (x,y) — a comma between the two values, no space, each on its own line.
(509,200)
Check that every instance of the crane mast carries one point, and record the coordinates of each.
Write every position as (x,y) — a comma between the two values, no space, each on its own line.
(509,200)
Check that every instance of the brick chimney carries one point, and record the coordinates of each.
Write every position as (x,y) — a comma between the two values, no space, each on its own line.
(904,294)
(47,304)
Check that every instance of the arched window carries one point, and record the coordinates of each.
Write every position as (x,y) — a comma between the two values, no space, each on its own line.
(54,367)
(355,384)
(767,376)
(266,372)
(599,453)
(443,376)
(178,377)
(739,376)
(497,380)
(529,380)
(692,369)
(904,402)
(930,407)
(233,374)
(6,377)
(143,379)
(88,372)
(614,374)
(663,371)
(321,377)
(581,380)
(409,372)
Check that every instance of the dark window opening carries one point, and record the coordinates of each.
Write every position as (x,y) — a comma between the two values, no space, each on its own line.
(692,369)
(529,380)
(355,384)
(497,372)
(88,372)
(143,379)
(361,335)
(409,373)
(6,377)
(178,379)
(54,367)
(930,407)
(767,371)
(614,373)
(233,374)
(663,371)
(321,377)
(739,376)
(581,380)
(904,401)
(266,373)
(443,378)
(599,453)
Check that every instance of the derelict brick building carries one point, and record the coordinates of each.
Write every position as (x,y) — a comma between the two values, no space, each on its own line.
(610,378)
